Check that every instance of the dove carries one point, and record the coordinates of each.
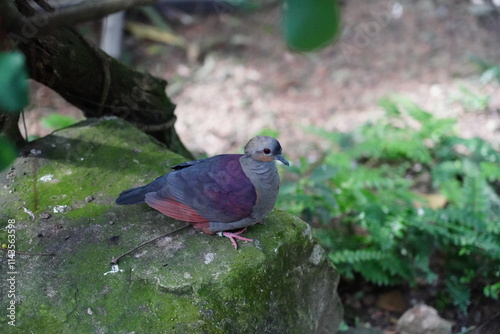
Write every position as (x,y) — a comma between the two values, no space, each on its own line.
(219,194)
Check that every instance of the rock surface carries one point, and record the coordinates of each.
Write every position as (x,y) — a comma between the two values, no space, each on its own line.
(423,319)
(59,198)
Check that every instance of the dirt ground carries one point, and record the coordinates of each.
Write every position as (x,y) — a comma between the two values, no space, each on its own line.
(236,77)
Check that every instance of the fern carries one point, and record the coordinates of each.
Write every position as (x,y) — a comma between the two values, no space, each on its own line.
(361,200)
(356,256)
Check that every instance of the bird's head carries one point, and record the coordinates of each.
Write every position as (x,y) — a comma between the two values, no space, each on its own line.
(265,148)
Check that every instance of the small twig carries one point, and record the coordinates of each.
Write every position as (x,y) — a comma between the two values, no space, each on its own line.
(24,125)
(22,253)
(44,5)
(116,259)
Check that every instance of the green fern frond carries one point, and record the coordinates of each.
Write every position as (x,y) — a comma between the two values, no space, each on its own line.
(476,196)
(354,256)
(490,170)
(374,272)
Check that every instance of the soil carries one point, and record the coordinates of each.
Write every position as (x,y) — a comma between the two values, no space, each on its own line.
(236,77)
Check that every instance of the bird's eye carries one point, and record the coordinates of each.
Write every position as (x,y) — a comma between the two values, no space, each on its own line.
(267,151)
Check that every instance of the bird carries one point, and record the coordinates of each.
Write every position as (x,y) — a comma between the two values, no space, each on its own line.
(219,194)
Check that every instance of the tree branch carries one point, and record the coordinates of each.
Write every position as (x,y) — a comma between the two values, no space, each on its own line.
(43,22)
(99,85)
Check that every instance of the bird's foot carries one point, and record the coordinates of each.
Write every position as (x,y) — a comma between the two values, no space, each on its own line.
(235,235)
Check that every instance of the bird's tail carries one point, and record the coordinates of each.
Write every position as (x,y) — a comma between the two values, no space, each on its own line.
(132,196)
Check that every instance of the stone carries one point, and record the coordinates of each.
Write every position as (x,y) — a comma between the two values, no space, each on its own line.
(423,319)
(187,282)
(393,301)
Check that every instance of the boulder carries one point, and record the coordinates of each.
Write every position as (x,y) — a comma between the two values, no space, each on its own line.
(58,198)
(422,318)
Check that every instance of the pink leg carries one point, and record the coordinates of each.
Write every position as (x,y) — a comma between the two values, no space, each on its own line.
(236,235)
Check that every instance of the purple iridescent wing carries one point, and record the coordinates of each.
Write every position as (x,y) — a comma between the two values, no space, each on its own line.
(214,189)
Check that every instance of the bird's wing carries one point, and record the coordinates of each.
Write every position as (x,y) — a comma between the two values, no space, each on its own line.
(174,209)
(188,164)
(215,189)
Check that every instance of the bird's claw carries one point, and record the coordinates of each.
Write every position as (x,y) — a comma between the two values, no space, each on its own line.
(235,235)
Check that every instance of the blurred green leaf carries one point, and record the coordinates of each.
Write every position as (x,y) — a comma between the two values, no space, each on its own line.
(390,107)
(13,81)
(472,100)
(310,24)
(56,121)
(269,132)
(492,290)
(491,74)
(7,153)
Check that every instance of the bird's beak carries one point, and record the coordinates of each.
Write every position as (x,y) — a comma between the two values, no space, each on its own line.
(283,160)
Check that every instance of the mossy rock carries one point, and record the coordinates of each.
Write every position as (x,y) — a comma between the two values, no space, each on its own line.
(188,282)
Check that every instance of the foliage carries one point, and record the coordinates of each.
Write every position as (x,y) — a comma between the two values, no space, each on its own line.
(13,82)
(489,71)
(13,96)
(309,25)
(372,200)
(57,121)
(7,153)
(472,100)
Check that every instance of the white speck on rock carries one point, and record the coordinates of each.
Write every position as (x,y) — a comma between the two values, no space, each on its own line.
(46,178)
(209,257)
(89,311)
(317,255)
(60,208)
(114,269)
(187,275)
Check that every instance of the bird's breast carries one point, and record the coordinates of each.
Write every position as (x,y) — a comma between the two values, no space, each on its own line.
(264,177)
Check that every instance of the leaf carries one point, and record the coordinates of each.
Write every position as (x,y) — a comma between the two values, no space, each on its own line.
(56,121)
(460,293)
(7,153)
(491,74)
(140,30)
(269,132)
(492,290)
(413,109)
(391,109)
(310,24)
(13,82)
(490,170)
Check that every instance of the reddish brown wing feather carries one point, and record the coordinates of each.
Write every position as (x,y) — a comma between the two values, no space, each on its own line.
(174,209)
